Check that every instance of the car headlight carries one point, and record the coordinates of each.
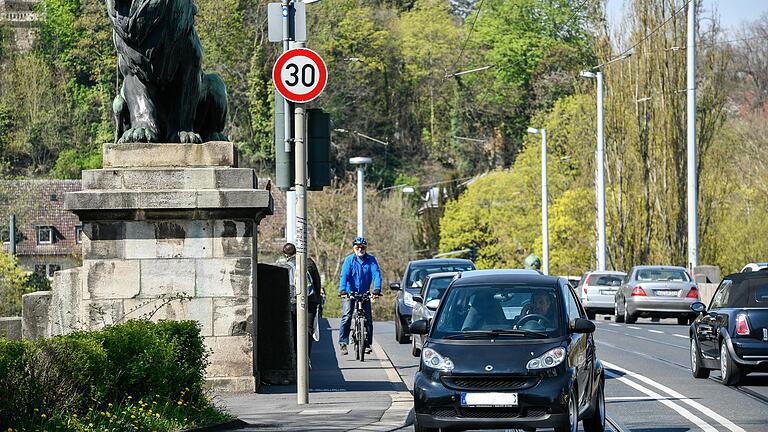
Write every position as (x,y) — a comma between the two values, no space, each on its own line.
(408,299)
(432,359)
(549,359)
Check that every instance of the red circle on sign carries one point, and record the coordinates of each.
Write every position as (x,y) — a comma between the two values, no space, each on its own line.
(317,63)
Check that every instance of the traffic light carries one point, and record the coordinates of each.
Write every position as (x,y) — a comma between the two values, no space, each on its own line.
(318,149)
(284,161)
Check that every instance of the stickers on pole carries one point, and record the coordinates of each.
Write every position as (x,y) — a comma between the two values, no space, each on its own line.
(300,75)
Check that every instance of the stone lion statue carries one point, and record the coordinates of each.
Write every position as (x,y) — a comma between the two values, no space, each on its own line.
(165,96)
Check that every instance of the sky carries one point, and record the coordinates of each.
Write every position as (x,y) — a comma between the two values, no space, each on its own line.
(733,13)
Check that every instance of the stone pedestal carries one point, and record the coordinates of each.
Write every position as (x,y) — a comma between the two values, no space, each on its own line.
(170,232)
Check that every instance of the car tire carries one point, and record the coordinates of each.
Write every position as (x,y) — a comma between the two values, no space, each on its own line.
(628,317)
(400,335)
(729,370)
(619,318)
(596,423)
(414,349)
(591,315)
(572,424)
(419,428)
(697,367)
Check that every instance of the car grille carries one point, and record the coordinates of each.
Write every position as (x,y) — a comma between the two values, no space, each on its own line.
(489,412)
(489,382)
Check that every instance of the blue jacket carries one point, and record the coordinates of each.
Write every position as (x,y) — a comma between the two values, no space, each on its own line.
(358,273)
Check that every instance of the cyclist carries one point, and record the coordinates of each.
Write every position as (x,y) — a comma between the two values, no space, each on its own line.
(357,273)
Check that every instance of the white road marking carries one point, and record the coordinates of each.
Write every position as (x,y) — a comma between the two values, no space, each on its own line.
(681,336)
(655,396)
(631,398)
(634,328)
(656,331)
(615,325)
(704,410)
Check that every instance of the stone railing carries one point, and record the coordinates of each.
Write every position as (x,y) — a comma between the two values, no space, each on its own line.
(18,16)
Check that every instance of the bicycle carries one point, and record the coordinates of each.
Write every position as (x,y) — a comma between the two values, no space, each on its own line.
(359,329)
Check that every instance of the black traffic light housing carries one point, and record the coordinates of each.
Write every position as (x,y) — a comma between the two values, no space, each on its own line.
(318,149)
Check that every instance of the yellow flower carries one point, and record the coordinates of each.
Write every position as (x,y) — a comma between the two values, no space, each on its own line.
(90,424)
(109,404)
(133,416)
(157,415)
(36,410)
(43,415)
(180,402)
(10,429)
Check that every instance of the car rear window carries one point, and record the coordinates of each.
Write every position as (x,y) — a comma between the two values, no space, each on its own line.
(469,309)
(416,274)
(605,280)
(671,275)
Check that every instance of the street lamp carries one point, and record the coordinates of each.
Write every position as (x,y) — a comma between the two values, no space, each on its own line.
(600,181)
(361,162)
(544,205)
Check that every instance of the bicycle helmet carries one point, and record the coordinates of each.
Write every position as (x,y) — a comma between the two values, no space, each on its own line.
(359,241)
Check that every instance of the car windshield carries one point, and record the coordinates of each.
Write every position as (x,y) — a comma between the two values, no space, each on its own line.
(606,280)
(514,311)
(436,288)
(673,275)
(417,274)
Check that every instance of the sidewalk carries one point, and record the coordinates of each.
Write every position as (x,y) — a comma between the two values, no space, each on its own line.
(345,394)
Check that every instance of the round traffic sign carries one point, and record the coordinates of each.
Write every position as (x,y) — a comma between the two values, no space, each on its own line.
(300,75)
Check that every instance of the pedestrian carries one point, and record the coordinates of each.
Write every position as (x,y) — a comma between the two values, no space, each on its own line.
(313,292)
(359,270)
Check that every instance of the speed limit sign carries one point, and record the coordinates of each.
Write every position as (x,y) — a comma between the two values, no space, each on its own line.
(300,75)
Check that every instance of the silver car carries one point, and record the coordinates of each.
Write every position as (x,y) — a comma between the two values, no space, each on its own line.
(598,291)
(656,292)
(426,303)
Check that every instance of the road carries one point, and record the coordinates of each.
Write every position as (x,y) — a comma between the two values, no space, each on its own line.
(649,386)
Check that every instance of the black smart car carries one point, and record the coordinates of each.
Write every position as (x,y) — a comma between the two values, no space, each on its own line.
(508,349)
(413,278)
(733,334)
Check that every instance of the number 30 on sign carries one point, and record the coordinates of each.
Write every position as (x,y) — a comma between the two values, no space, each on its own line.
(300,75)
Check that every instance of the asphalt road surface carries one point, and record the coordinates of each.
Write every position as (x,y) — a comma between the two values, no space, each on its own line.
(649,386)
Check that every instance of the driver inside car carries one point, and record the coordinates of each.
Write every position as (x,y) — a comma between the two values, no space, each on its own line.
(541,304)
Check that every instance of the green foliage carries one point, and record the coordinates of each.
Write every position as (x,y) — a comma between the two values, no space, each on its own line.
(13,284)
(72,162)
(62,380)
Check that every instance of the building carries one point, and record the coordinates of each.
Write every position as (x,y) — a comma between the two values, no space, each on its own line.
(20,16)
(48,236)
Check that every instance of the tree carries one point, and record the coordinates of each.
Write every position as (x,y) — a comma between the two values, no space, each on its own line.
(12,286)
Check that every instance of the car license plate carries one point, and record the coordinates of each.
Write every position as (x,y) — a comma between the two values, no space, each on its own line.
(608,292)
(488,399)
(666,293)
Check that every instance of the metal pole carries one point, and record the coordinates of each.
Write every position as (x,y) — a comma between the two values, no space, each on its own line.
(544,205)
(290,213)
(360,201)
(290,196)
(600,176)
(693,223)
(300,278)
(12,236)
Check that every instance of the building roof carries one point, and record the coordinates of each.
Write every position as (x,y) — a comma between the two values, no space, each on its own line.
(40,203)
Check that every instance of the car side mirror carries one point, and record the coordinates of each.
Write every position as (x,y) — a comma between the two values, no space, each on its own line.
(582,325)
(698,307)
(433,304)
(418,299)
(394,286)
(419,327)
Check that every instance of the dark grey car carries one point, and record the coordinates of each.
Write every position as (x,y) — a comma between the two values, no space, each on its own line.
(656,292)
(426,303)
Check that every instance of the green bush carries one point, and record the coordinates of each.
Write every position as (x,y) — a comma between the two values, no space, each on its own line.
(55,380)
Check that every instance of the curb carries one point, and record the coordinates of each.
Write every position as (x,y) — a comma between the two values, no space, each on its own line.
(227,425)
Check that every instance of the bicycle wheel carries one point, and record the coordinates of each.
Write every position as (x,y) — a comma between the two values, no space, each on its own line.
(361,345)
(356,337)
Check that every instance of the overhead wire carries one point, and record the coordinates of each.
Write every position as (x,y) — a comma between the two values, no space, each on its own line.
(469,35)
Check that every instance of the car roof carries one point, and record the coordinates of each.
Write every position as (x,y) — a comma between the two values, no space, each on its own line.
(505,276)
(439,261)
(606,272)
(760,264)
(658,267)
(738,277)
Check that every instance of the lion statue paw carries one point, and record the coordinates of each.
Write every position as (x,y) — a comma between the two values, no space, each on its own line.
(139,135)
